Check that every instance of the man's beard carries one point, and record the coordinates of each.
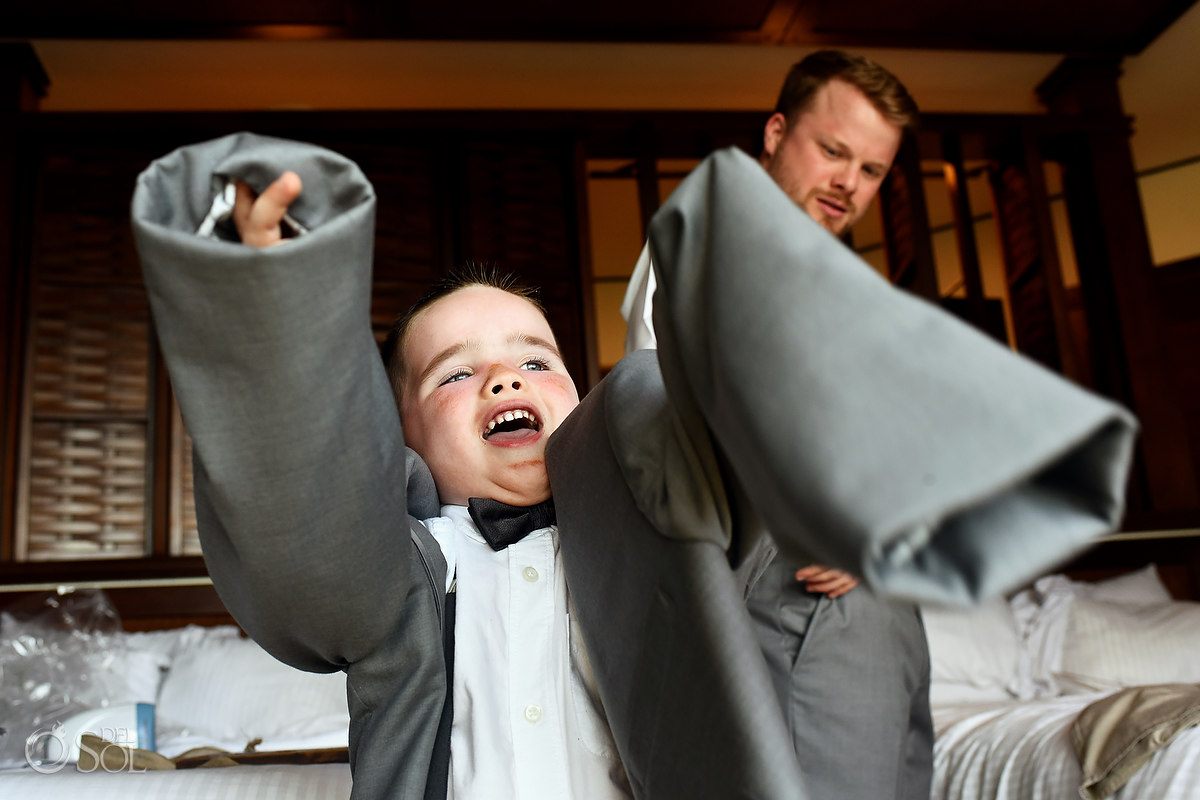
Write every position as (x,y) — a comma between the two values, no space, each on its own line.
(812,206)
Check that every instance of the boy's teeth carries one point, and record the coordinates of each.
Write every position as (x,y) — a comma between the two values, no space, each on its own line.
(508,416)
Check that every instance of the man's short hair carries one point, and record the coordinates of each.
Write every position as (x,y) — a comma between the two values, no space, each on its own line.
(882,88)
(471,274)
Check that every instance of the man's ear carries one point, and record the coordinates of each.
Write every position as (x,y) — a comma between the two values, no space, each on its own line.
(773,133)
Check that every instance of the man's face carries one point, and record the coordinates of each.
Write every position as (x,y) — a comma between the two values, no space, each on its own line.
(484,388)
(833,158)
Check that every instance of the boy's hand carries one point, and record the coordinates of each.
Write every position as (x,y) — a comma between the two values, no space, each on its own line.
(258,218)
(822,580)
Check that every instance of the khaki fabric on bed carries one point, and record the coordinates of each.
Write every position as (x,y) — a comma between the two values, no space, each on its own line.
(1116,735)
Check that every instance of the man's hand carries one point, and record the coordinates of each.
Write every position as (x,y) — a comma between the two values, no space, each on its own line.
(822,580)
(258,218)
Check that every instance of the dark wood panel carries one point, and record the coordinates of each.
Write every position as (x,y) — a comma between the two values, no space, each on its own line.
(144,608)
(1177,295)
(909,242)
(1176,557)
(518,212)
(1112,250)
(22,82)
(1078,26)
(1072,26)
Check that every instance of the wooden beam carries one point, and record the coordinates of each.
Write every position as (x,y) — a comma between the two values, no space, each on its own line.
(1037,299)
(1129,351)
(23,82)
(964,228)
(907,236)
(646,173)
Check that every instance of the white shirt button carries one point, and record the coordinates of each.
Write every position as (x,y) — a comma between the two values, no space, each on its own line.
(533,713)
(530,574)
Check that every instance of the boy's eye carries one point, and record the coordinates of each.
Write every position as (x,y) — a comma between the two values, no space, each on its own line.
(455,376)
(539,364)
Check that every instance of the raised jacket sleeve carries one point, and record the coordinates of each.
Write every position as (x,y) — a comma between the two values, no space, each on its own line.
(300,466)
(869,429)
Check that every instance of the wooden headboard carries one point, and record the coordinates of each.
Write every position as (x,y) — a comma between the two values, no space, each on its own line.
(1176,553)
(144,605)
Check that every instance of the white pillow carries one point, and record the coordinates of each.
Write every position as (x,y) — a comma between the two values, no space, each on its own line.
(1140,588)
(974,647)
(1043,615)
(121,675)
(172,641)
(233,690)
(1109,646)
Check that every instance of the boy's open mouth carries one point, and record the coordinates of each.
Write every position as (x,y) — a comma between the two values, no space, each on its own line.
(513,425)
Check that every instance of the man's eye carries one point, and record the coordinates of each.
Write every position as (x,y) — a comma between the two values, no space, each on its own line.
(539,364)
(455,376)
(830,151)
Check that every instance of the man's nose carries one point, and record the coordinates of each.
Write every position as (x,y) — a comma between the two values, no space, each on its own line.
(846,178)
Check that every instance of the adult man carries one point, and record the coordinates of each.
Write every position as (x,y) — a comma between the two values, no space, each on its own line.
(851,670)
(829,144)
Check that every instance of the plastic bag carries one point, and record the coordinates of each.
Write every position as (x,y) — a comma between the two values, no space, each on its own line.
(60,653)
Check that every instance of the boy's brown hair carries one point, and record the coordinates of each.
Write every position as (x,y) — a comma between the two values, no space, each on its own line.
(471,274)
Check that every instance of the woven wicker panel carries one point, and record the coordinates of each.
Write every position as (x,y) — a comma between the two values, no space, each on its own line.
(87,491)
(521,215)
(82,229)
(89,351)
(185,539)
(517,209)
(408,218)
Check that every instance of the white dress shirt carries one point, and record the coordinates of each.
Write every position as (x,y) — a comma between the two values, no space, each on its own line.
(638,306)
(527,717)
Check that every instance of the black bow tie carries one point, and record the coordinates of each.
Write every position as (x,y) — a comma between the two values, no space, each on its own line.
(502,524)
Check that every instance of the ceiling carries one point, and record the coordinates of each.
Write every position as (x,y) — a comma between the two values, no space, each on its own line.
(1121,27)
(979,56)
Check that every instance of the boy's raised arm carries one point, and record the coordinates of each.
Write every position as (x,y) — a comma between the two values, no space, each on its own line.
(300,465)
(870,430)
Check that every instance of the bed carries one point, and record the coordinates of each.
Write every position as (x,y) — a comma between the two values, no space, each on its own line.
(1010,679)
(1068,689)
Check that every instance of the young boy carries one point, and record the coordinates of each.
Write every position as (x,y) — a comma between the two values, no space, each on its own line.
(310,506)
(481,386)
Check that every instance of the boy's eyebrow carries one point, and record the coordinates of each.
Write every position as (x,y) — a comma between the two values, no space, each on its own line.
(524,339)
(535,341)
(443,356)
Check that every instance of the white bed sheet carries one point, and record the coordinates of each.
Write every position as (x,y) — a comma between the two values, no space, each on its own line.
(1021,750)
(256,782)
(174,743)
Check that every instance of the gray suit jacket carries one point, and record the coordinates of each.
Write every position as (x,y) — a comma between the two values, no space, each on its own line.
(799,393)
(303,484)
(960,469)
